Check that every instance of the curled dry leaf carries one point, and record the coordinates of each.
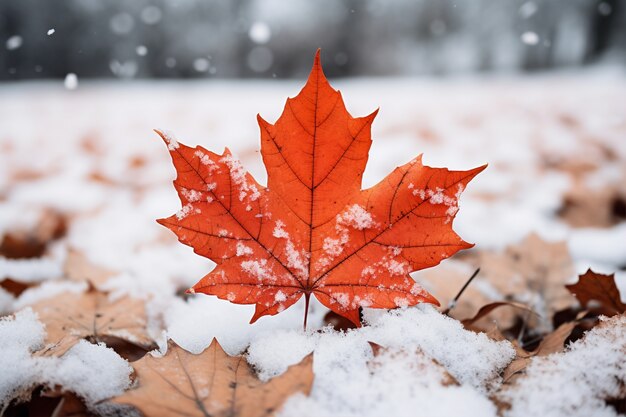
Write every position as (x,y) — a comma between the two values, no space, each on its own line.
(211,383)
(313,230)
(552,343)
(592,286)
(70,317)
(488,308)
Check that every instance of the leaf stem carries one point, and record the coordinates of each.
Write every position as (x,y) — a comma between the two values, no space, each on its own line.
(307,297)
(452,303)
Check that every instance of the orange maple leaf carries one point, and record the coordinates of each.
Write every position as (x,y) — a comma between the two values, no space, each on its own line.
(312,230)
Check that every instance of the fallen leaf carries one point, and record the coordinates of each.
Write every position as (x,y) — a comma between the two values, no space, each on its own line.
(313,231)
(32,243)
(210,383)
(533,272)
(78,267)
(592,286)
(488,308)
(70,317)
(553,342)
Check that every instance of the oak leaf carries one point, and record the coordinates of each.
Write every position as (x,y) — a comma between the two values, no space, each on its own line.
(313,230)
(598,287)
(210,383)
(70,317)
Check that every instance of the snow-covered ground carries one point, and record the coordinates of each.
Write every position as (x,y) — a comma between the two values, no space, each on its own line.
(91,155)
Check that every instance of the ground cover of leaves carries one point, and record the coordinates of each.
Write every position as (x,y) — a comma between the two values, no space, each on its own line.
(90,283)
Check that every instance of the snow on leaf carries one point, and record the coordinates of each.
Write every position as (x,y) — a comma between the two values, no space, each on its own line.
(314,230)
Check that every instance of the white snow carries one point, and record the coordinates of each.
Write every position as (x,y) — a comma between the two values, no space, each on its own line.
(243,250)
(71,81)
(92,371)
(48,289)
(530,38)
(34,269)
(557,386)
(114,189)
(396,383)
(50,32)
(19,337)
(357,217)
(14,42)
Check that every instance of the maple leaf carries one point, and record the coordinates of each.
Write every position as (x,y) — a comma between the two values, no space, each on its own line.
(313,230)
(70,317)
(598,287)
(211,383)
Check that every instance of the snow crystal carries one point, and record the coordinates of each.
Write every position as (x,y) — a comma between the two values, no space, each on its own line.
(576,382)
(222,232)
(151,15)
(438,196)
(204,158)
(19,336)
(279,231)
(530,38)
(191,195)
(243,250)
(356,216)
(50,32)
(94,372)
(14,42)
(184,211)
(257,269)
(260,32)
(71,81)
(239,177)
(295,258)
(280,296)
(528,9)
(141,50)
(172,144)
(333,247)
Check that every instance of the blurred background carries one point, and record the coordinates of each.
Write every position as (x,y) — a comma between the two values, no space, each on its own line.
(273,38)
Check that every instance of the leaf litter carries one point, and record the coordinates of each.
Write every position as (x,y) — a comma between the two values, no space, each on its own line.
(563,358)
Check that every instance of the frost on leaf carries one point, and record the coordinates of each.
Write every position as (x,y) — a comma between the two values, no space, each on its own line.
(314,230)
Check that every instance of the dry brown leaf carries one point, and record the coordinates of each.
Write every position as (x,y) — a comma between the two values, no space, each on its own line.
(70,317)
(532,268)
(489,308)
(20,244)
(210,383)
(584,207)
(79,268)
(600,288)
(552,343)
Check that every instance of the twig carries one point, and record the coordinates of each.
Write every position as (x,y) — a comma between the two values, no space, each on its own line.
(452,303)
